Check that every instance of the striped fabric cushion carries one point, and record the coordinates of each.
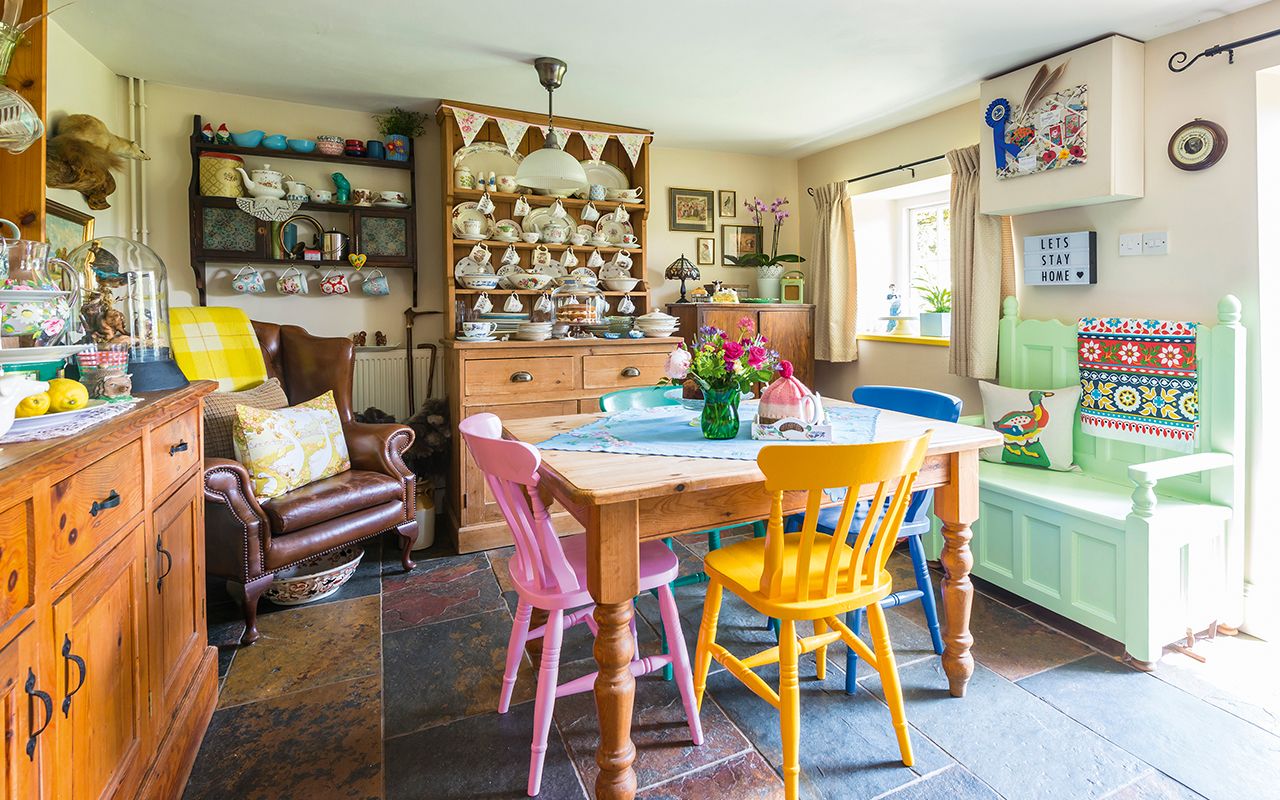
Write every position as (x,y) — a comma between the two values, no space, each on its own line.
(220,414)
(217,344)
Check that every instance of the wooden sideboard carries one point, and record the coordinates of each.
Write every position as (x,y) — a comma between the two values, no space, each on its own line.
(106,676)
(517,380)
(789,327)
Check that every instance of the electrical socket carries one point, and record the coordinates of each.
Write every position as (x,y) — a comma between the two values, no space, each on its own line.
(1155,243)
(1130,244)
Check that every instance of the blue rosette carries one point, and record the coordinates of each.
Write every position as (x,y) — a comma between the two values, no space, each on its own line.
(997,116)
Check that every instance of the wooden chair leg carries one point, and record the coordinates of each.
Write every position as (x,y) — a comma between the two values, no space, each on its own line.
(249,594)
(408,532)
(927,600)
(820,627)
(680,656)
(545,701)
(854,620)
(789,707)
(759,529)
(888,669)
(713,539)
(706,635)
(515,650)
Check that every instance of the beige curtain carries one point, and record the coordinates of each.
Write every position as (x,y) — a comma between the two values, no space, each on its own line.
(834,273)
(981,271)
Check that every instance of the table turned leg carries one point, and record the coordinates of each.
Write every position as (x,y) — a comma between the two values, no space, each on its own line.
(613,578)
(957,508)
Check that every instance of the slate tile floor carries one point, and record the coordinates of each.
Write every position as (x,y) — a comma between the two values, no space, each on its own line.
(388,689)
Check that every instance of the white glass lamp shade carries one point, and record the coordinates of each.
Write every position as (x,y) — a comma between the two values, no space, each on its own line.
(551,169)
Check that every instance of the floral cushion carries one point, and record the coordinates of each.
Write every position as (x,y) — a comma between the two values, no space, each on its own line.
(288,448)
(1037,425)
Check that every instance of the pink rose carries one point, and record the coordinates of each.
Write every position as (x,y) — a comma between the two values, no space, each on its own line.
(756,357)
(677,366)
(732,351)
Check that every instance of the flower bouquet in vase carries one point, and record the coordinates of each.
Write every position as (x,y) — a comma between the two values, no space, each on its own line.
(722,366)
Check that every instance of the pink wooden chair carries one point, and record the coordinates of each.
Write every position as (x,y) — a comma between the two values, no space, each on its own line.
(551,573)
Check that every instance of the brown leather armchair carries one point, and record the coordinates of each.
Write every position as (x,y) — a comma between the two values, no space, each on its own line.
(248,541)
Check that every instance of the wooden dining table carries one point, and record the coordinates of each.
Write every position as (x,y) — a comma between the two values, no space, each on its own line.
(623,499)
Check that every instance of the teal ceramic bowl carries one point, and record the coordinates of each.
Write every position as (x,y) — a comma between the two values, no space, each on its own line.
(248,138)
(276,141)
(40,370)
(302,145)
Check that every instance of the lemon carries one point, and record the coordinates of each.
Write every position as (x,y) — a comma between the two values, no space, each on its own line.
(33,406)
(67,395)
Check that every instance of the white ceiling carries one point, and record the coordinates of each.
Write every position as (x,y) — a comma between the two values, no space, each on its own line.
(777,78)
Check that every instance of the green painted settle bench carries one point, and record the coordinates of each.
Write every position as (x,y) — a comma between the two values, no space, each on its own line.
(1143,544)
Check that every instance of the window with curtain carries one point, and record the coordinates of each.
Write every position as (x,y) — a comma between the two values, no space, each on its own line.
(928,252)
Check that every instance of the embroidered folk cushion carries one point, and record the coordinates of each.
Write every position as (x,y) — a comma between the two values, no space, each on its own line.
(1036,425)
(220,414)
(289,448)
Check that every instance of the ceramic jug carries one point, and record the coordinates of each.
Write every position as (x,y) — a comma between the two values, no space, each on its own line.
(295,190)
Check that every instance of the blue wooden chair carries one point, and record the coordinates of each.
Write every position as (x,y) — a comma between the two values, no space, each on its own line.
(922,403)
(652,397)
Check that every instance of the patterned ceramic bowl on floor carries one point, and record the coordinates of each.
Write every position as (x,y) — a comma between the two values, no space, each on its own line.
(315,579)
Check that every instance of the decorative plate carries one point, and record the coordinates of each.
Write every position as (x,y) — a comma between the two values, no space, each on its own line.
(30,355)
(585,274)
(28,424)
(605,174)
(614,270)
(469,266)
(468,210)
(538,217)
(389,204)
(587,230)
(613,230)
(487,157)
(553,269)
(506,271)
(1197,145)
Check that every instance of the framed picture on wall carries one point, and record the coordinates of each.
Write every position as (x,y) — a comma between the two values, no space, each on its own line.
(65,228)
(738,240)
(692,210)
(728,203)
(706,250)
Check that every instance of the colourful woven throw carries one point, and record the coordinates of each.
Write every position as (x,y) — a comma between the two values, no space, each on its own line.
(1139,381)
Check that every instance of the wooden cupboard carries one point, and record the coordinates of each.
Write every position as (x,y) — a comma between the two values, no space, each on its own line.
(788,326)
(106,678)
(519,380)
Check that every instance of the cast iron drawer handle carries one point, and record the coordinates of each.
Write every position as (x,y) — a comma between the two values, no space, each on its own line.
(35,694)
(98,506)
(168,562)
(521,377)
(180,447)
(630,372)
(79,662)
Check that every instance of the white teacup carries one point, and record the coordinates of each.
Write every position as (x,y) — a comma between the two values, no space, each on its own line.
(630,240)
(507,183)
(391,197)
(320,195)
(530,236)
(626,195)
(507,230)
(471,227)
(578,239)
(477,330)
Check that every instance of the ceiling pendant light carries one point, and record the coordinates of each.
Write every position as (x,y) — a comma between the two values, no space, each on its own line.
(551,169)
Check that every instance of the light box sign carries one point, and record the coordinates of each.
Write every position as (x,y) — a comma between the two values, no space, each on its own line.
(1060,259)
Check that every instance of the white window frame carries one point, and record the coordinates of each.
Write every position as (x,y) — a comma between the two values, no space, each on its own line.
(911,302)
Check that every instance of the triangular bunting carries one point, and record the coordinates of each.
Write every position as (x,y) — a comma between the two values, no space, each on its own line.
(595,143)
(632,142)
(513,131)
(470,123)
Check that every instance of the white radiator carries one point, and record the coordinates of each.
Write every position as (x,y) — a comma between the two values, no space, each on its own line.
(381,381)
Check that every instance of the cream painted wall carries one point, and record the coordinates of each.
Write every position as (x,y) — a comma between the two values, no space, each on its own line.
(897,363)
(750,176)
(81,84)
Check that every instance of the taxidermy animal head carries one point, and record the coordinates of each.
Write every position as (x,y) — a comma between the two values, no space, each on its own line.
(82,156)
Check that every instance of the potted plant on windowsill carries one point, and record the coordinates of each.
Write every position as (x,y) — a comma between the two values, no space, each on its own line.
(399,128)
(768,265)
(936,320)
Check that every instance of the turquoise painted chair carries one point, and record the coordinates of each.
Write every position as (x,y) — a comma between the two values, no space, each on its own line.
(653,397)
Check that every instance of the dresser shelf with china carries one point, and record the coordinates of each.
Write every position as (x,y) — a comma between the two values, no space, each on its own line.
(516,379)
(106,673)
(210,216)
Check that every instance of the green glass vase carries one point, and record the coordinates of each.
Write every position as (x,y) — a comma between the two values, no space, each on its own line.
(720,413)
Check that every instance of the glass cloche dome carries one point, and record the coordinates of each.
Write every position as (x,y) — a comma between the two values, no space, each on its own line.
(126,302)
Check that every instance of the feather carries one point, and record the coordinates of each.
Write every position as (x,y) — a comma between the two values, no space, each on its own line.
(1034,86)
(1042,84)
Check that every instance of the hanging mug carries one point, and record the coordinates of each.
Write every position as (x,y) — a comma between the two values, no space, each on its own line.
(480,253)
(622,258)
(513,304)
(248,280)
(375,284)
(620,214)
(568,260)
(334,284)
(483,304)
(595,260)
(625,306)
(522,207)
(510,258)
(557,210)
(541,256)
(543,303)
(485,204)
(589,213)
(293,281)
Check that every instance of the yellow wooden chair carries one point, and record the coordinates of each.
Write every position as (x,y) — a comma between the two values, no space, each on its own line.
(817,577)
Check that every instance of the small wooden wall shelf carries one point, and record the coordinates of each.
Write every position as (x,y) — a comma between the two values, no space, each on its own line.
(259,251)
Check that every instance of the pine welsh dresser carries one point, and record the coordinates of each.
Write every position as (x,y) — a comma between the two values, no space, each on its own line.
(107,681)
